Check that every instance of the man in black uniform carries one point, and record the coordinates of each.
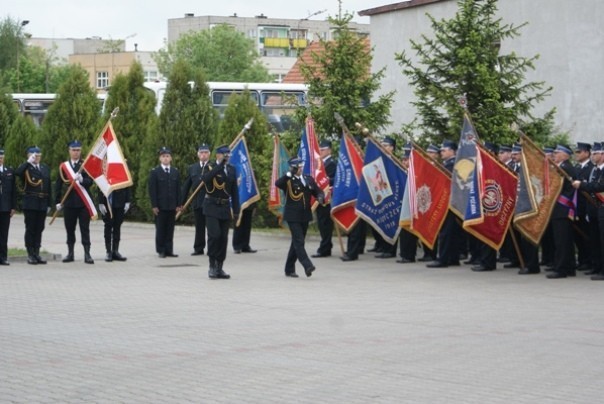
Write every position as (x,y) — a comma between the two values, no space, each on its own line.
(583,167)
(119,203)
(194,174)
(562,219)
(220,205)
(324,221)
(78,205)
(297,213)
(36,202)
(164,192)
(8,205)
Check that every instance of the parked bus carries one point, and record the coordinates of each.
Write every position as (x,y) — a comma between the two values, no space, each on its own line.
(276,100)
(35,106)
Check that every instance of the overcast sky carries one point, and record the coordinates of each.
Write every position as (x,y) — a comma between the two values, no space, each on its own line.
(146,21)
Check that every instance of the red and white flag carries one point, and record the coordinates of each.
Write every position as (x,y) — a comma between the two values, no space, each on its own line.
(106,163)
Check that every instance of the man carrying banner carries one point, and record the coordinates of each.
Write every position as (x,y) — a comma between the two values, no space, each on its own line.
(113,209)
(324,221)
(78,205)
(297,213)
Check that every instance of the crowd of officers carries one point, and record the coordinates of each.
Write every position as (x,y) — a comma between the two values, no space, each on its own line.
(573,241)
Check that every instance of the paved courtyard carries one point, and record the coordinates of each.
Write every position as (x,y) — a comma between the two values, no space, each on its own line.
(154,330)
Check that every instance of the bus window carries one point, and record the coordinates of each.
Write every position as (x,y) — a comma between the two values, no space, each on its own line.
(279,105)
(36,109)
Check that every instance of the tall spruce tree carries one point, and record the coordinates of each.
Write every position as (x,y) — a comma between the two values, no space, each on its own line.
(340,79)
(463,58)
(16,132)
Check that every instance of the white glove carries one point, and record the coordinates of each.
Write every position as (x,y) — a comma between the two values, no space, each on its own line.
(289,174)
(126,207)
(78,178)
(31,158)
(59,207)
(48,210)
(102,209)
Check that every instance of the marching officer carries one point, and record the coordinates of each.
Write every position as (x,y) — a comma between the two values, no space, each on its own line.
(195,173)
(164,192)
(113,209)
(8,205)
(36,201)
(297,213)
(220,206)
(78,204)
(324,221)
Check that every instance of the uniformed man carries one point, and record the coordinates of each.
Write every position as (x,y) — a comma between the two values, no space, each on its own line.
(324,221)
(297,213)
(113,209)
(164,192)
(220,205)
(78,205)
(583,167)
(36,202)
(8,205)
(195,173)
(547,240)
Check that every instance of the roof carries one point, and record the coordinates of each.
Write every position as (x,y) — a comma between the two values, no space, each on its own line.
(397,6)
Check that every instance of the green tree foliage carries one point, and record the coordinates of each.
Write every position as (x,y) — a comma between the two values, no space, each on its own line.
(135,121)
(463,58)
(16,131)
(240,110)
(12,49)
(340,80)
(187,119)
(74,115)
(222,52)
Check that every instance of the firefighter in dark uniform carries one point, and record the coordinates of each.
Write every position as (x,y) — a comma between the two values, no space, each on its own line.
(119,203)
(583,167)
(74,206)
(324,221)
(220,206)
(36,202)
(164,192)
(194,174)
(297,213)
(8,205)
(561,220)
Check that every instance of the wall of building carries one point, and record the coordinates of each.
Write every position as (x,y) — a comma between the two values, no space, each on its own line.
(568,36)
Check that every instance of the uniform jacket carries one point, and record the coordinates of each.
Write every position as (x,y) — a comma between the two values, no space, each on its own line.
(330,169)
(297,197)
(8,190)
(194,177)
(560,211)
(164,188)
(583,175)
(449,164)
(119,198)
(222,195)
(36,186)
(73,199)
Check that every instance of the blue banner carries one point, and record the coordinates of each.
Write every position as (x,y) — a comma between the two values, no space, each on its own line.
(381,191)
(464,169)
(246,181)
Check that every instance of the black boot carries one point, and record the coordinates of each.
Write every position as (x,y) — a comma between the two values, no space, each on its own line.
(116,253)
(31,256)
(87,258)
(38,258)
(109,256)
(69,256)
(221,273)
(213,272)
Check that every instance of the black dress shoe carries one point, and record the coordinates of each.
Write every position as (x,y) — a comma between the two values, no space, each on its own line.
(172,255)
(249,251)
(404,261)
(471,262)
(592,272)
(4,262)
(436,264)
(549,269)
(385,255)
(318,255)
(292,275)
(374,249)
(109,257)
(237,251)
(555,275)
(511,265)
(426,259)
(584,267)
(200,252)
(527,271)
(481,268)
(347,258)
(308,271)
(118,257)
(161,255)
(598,277)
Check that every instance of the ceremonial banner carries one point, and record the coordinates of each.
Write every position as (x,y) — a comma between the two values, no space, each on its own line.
(496,193)
(346,183)
(313,164)
(106,163)
(464,169)
(429,194)
(246,180)
(381,191)
(540,186)
(276,197)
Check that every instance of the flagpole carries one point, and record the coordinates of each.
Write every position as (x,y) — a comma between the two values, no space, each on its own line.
(366,133)
(340,239)
(246,127)
(54,216)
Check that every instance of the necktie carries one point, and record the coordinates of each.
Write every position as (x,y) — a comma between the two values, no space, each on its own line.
(167,170)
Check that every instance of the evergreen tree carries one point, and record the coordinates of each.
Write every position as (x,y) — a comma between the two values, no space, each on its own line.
(341,80)
(463,58)
(16,132)
(74,115)
(240,110)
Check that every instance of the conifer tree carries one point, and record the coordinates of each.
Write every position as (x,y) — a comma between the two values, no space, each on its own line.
(16,132)
(463,58)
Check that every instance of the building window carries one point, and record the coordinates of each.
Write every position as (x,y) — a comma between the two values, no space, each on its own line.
(151,75)
(102,79)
